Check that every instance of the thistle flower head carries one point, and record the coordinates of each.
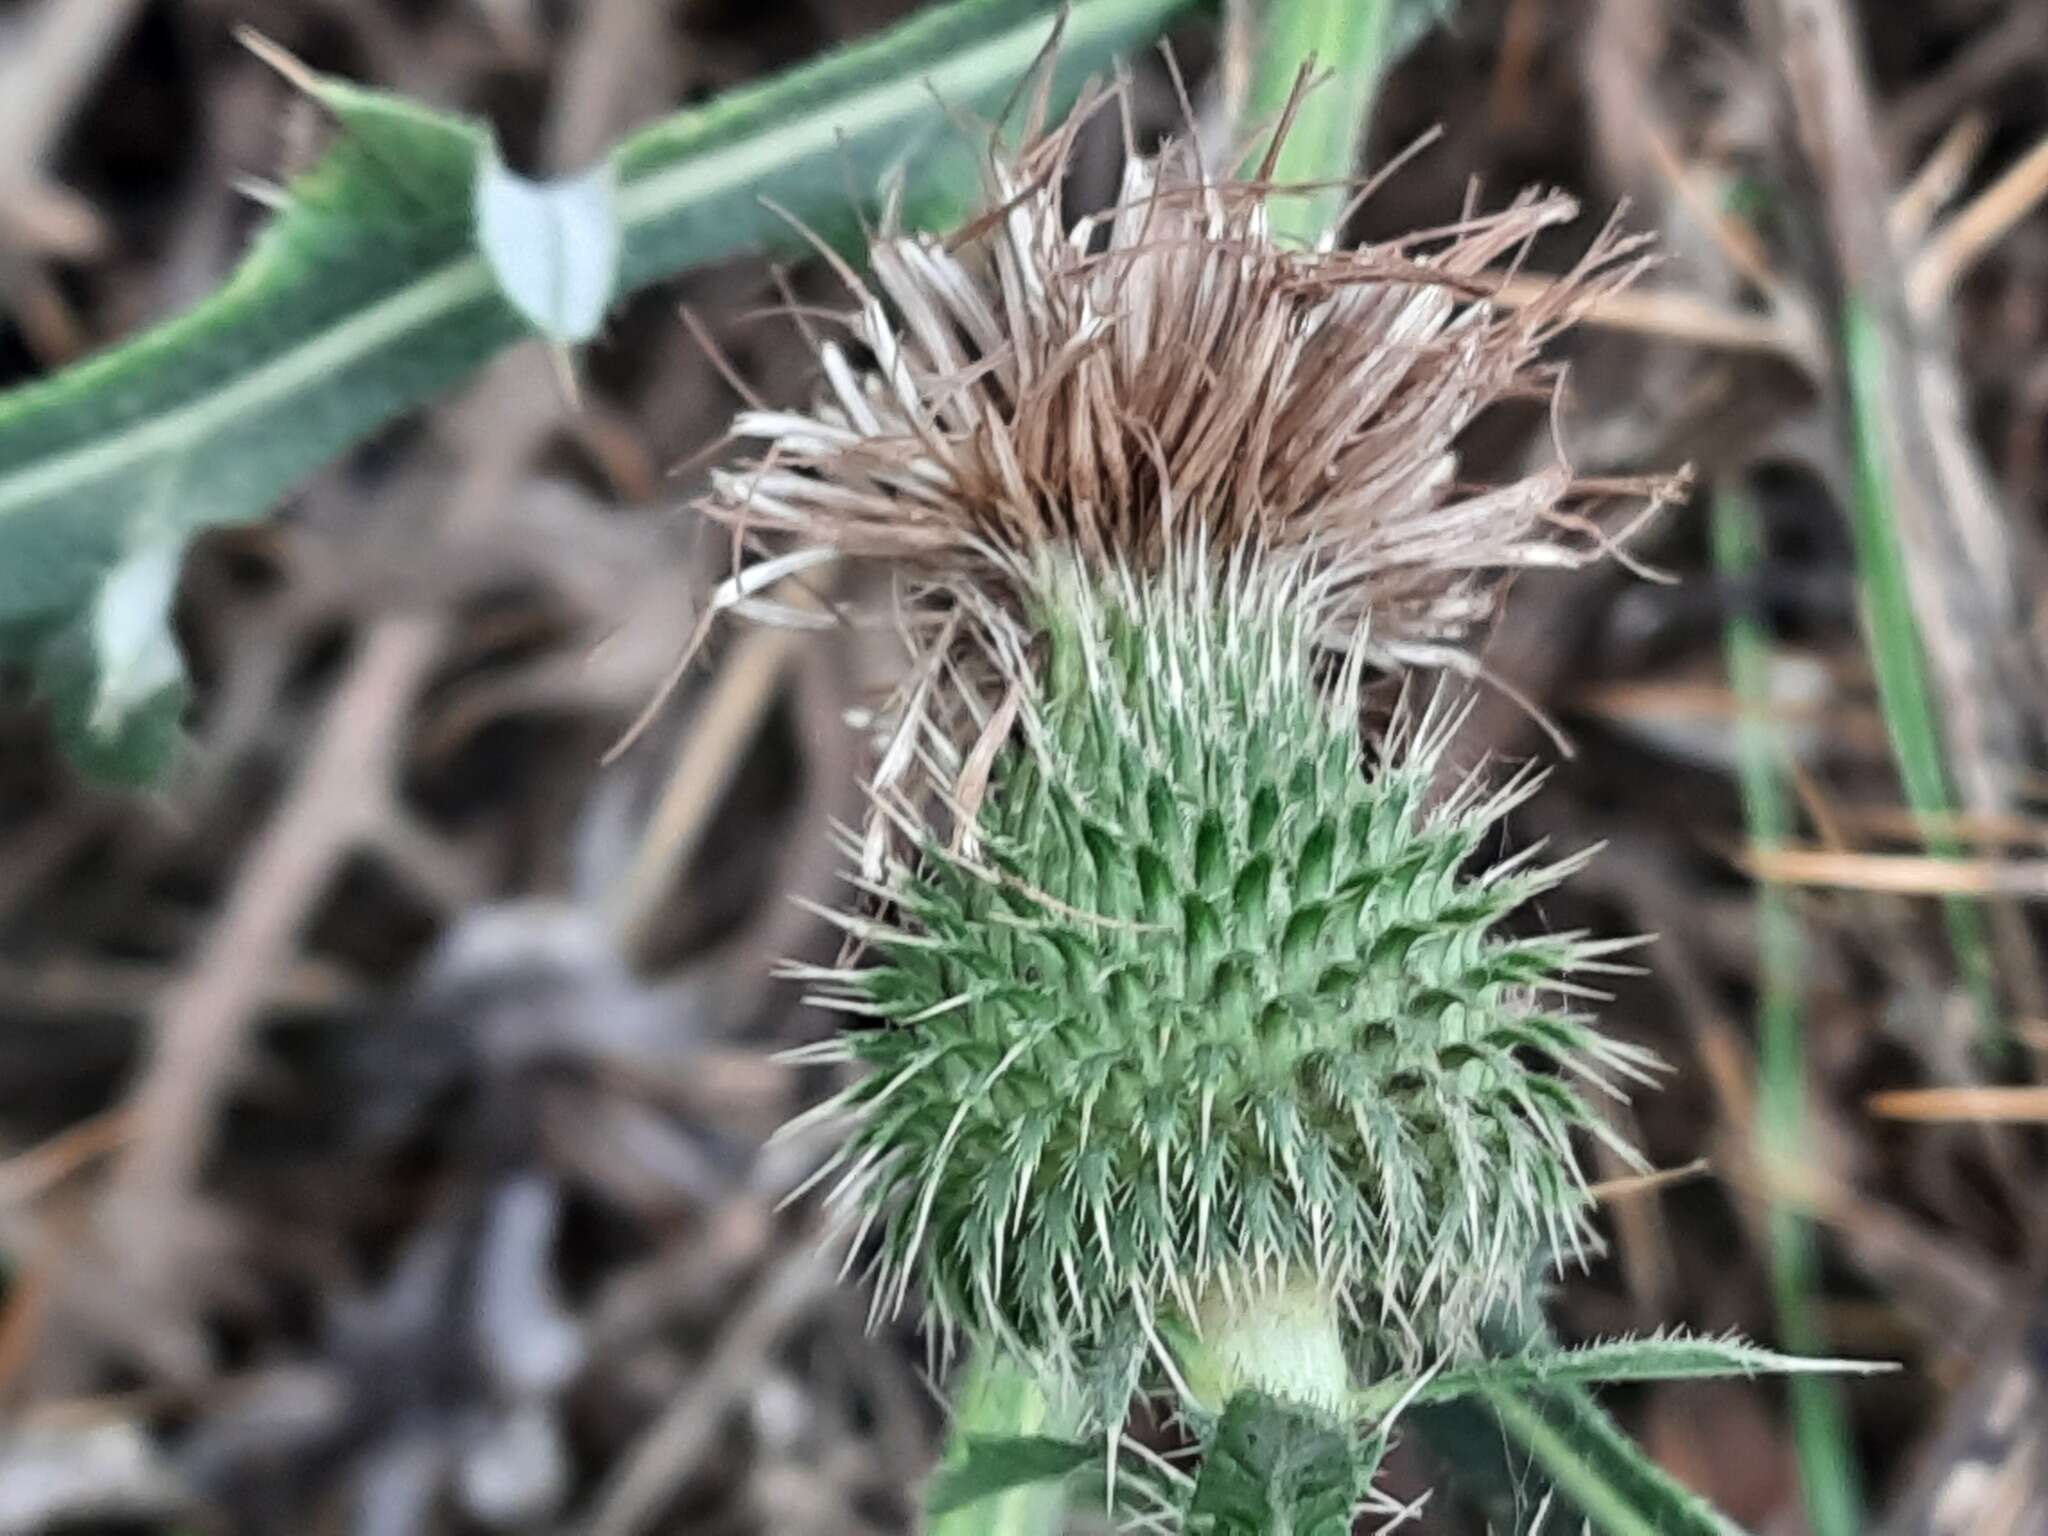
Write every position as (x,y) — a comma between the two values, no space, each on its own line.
(1200,996)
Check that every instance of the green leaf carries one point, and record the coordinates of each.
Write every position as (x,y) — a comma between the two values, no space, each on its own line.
(1602,1472)
(369,295)
(1539,1397)
(993,1464)
(1512,1444)
(1664,1357)
(1352,44)
(552,246)
(1275,1469)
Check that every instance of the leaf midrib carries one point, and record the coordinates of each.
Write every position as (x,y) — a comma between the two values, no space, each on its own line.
(448,287)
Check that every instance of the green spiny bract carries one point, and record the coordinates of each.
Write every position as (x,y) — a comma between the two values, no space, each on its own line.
(1211,1005)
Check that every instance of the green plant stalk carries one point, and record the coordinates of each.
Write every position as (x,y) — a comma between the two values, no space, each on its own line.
(999,1398)
(1827,1462)
(1903,690)
(1351,39)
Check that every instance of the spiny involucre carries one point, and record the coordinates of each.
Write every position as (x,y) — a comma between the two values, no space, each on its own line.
(1176,989)
(1211,1010)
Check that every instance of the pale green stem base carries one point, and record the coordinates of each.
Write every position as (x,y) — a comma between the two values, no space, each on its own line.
(1287,1344)
(998,1397)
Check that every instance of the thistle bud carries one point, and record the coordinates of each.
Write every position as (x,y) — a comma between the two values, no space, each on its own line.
(1178,992)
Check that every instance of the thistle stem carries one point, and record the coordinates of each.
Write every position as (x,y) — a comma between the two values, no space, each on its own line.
(1000,1398)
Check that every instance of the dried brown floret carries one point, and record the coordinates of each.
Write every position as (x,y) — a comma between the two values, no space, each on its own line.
(1162,377)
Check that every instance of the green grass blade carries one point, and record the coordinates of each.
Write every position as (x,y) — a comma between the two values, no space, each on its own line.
(1827,1459)
(1902,686)
(368,296)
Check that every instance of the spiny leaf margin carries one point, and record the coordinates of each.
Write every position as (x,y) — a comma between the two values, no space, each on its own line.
(1674,1356)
